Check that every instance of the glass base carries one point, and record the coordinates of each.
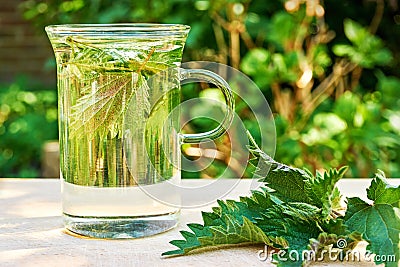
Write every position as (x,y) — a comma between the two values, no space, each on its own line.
(120,227)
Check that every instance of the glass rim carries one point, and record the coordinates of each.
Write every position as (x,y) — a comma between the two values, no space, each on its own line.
(152,29)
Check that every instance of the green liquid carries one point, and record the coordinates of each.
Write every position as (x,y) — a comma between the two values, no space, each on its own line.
(97,80)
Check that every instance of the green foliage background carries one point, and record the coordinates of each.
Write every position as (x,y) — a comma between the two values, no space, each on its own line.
(329,69)
(28,117)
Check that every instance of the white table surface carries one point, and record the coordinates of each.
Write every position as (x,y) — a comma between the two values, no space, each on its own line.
(32,234)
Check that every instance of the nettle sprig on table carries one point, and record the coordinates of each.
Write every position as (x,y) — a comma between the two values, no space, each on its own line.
(296,210)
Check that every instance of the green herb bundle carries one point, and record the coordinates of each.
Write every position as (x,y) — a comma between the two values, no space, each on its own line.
(299,211)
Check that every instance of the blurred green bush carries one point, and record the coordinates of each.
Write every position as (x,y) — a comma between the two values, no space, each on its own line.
(27,119)
(329,69)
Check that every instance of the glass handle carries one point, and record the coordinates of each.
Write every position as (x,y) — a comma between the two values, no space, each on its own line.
(211,77)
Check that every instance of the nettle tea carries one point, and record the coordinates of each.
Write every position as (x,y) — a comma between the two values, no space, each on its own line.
(119,132)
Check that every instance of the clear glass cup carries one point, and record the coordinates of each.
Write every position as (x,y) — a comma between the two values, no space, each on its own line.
(119,125)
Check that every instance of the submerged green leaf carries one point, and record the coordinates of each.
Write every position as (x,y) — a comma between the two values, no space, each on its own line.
(106,79)
(101,110)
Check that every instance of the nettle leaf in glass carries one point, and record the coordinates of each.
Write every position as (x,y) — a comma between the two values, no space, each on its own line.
(97,80)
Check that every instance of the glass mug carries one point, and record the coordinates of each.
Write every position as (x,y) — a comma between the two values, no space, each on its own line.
(118,99)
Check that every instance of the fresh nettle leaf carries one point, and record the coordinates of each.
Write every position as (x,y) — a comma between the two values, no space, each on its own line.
(300,212)
(323,192)
(381,192)
(296,185)
(295,227)
(282,212)
(288,182)
(104,107)
(232,222)
(106,80)
(378,222)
